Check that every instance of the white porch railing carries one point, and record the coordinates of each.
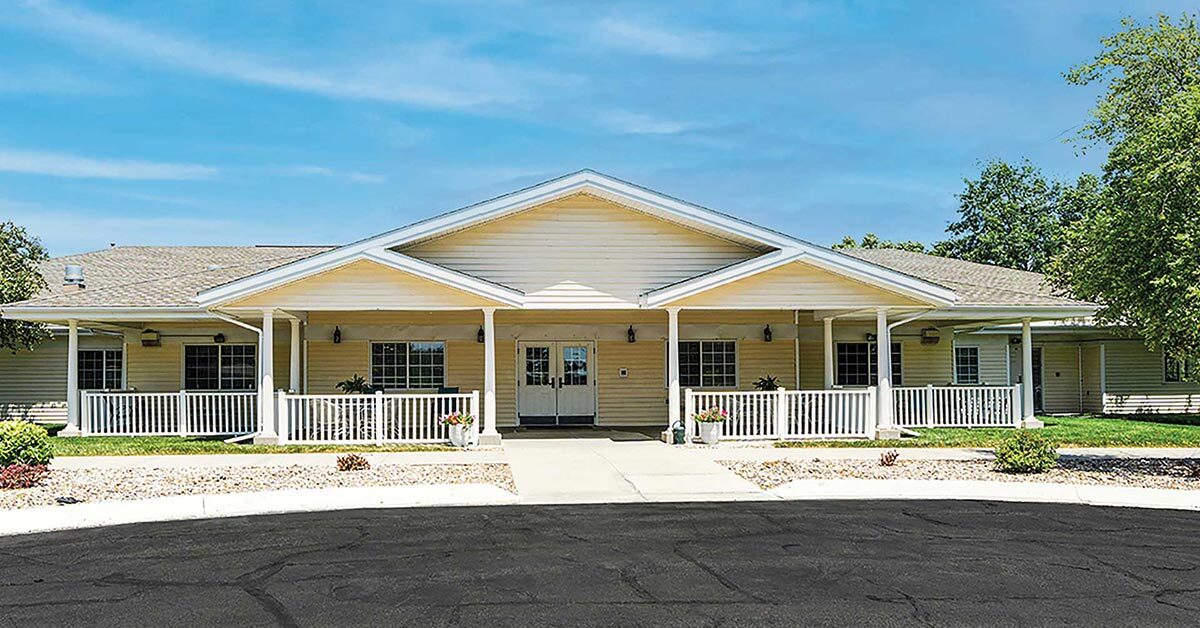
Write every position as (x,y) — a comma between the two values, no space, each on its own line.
(958,406)
(371,419)
(785,414)
(183,413)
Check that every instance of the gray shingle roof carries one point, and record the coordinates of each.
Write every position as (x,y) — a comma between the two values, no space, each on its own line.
(159,276)
(171,276)
(975,284)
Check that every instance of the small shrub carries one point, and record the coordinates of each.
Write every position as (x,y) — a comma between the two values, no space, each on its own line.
(20,475)
(889,458)
(352,462)
(22,442)
(1027,451)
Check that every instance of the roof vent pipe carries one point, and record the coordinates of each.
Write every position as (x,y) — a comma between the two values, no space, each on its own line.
(73,277)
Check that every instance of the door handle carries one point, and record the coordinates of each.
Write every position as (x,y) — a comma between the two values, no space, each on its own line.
(560,382)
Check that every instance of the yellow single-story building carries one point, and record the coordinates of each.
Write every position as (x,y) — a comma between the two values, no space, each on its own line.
(584,300)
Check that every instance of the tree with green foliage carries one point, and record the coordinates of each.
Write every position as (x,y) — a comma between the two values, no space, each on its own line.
(1013,216)
(20,279)
(1137,253)
(1143,67)
(872,241)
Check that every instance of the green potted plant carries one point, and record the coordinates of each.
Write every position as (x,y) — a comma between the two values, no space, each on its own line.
(710,421)
(768,383)
(356,385)
(460,427)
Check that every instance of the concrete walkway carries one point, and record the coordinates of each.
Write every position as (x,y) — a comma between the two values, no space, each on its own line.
(604,470)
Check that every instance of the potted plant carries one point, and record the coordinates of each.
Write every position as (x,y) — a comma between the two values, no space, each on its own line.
(460,427)
(710,421)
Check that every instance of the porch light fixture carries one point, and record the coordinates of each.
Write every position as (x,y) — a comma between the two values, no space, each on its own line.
(219,338)
(767,333)
(479,335)
(930,336)
(337,335)
(630,334)
(871,337)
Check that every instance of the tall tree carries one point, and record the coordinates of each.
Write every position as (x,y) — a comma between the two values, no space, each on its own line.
(872,241)
(1013,216)
(1142,67)
(20,279)
(1138,252)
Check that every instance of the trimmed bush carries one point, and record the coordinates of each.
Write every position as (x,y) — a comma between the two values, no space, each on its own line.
(22,475)
(1027,451)
(889,458)
(22,442)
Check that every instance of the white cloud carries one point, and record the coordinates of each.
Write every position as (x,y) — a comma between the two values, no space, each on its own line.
(432,74)
(628,36)
(632,123)
(322,171)
(78,167)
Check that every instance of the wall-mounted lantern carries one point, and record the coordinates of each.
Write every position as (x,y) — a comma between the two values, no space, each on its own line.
(630,335)
(871,337)
(930,336)
(219,338)
(479,335)
(151,338)
(337,335)
(767,333)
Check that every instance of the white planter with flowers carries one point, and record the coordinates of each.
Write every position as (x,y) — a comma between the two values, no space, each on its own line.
(459,424)
(710,422)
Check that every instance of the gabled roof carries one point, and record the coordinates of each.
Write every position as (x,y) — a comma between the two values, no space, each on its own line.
(600,185)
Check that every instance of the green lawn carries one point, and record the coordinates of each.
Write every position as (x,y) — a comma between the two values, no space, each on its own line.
(163,445)
(1075,431)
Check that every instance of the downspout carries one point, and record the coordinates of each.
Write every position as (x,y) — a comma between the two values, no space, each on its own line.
(233,321)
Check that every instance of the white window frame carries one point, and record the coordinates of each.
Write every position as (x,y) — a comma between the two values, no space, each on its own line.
(104,366)
(978,364)
(219,345)
(737,366)
(407,363)
(872,358)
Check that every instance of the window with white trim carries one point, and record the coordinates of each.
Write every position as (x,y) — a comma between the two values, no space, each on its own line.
(408,365)
(1177,370)
(100,369)
(708,363)
(220,367)
(857,364)
(966,365)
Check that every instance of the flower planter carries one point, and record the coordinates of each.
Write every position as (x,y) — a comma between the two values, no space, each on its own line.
(460,435)
(710,433)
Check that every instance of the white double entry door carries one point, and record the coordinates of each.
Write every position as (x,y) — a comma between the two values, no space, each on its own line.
(556,382)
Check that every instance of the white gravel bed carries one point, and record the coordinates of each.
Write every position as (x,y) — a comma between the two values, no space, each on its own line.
(94,485)
(1139,472)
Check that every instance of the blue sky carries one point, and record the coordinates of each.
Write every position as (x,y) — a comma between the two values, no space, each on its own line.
(323,122)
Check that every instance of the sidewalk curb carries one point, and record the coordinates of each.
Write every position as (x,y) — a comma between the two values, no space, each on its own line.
(179,507)
(1034,492)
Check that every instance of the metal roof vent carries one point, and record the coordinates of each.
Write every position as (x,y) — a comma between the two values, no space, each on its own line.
(73,277)
(213,267)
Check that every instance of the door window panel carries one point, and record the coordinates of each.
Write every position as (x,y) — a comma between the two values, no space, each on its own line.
(575,366)
(537,366)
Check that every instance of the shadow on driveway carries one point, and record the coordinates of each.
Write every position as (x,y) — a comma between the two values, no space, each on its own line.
(762,563)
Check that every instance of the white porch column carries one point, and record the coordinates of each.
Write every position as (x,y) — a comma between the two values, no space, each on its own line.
(672,366)
(883,356)
(1027,418)
(294,356)
(828,353)
(489,436)
(266,383)
(72,428)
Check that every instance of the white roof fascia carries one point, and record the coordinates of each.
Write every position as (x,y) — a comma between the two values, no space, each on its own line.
(834,262)
(1015,312)
(311,266)
(99,314)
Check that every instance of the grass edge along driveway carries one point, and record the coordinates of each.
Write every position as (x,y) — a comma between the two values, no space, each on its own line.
(1066,431)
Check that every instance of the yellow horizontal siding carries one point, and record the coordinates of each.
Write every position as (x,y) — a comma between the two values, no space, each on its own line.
(160,369)
(796,285)
(581,251)
(1135,382)
(363,285)
(1060,378)
(640,398)
(1093,401)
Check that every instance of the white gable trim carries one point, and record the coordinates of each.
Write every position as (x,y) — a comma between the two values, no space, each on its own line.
(311,266)
(832,262)
(645,200)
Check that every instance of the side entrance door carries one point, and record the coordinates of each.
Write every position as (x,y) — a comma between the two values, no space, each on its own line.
(556,382)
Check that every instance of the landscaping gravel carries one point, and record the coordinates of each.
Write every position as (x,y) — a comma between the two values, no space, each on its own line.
(1140,472)
(94,485)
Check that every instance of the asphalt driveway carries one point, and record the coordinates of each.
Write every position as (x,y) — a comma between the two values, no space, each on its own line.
(889,563)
